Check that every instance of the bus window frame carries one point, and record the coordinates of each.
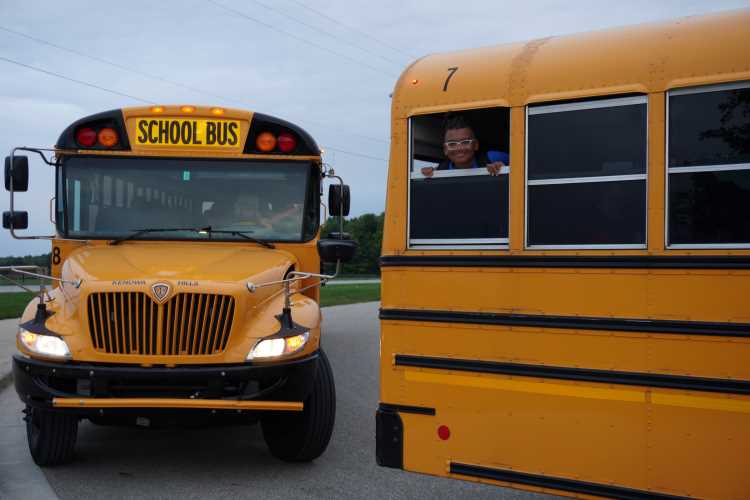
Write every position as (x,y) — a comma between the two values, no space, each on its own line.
(591,102)
(696,89)
(453,243)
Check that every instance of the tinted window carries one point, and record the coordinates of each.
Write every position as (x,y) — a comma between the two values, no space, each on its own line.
(709,128)
(459,208)
(709,166)
(567,145)
(709,207)
(594,213)
(588,142)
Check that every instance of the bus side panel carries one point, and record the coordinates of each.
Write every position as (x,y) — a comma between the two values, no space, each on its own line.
(569,294)
(690,295)
(676,442)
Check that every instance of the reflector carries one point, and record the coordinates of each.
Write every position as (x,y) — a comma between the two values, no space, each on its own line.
(444,432)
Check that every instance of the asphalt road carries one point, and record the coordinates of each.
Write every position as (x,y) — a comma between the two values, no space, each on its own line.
(233,462)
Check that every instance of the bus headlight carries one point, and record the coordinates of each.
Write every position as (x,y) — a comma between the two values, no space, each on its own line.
(44,345)
(273,348)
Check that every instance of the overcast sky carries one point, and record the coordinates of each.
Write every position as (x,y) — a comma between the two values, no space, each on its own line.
(328,65)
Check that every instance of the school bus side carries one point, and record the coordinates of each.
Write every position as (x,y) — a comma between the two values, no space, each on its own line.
(616,370)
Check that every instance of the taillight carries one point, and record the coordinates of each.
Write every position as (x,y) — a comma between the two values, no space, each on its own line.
(86,137)
(287,142)
(108,137)
(266,142)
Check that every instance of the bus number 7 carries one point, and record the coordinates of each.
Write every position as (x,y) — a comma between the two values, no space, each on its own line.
(451,71)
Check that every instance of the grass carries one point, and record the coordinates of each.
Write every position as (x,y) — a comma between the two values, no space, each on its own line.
(349,294)
(13,304)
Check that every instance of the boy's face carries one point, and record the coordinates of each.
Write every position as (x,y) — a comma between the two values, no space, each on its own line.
(460,154)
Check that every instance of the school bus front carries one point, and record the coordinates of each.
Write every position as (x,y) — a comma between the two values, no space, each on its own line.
(186,268)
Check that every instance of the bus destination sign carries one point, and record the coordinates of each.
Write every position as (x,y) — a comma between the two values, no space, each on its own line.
(194,132)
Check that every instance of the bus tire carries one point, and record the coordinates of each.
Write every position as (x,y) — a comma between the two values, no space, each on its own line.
(302,437)
(51,436)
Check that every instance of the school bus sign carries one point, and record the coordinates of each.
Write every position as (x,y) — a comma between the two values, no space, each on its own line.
(194,132)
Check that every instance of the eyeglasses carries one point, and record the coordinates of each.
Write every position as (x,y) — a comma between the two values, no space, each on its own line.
(452,145)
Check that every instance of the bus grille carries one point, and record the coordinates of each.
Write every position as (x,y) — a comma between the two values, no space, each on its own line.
(132,323)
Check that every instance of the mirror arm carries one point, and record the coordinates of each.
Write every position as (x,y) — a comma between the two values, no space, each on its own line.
(27,270)
(12,192)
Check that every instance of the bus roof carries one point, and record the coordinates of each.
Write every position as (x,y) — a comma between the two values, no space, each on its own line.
(199,130)
(638,59)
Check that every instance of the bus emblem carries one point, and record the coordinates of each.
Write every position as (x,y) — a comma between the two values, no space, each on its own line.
(160,291)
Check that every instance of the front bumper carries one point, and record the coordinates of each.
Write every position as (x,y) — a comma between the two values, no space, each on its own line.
(85,389)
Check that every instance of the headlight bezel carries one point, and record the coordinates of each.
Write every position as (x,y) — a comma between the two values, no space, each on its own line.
(46,346)
(269,349)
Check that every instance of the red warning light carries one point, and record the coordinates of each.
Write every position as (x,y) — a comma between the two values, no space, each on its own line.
(287,142)
(86,137)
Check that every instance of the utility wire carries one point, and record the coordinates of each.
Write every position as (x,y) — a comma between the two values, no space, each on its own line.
(330,35)
(355,154)
(196,90)
(301,39)
(80,82)
(305,6)
(119,66)
(122,94)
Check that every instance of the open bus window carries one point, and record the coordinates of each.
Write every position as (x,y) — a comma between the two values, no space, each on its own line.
(586,174)
(709,167)
(454,200)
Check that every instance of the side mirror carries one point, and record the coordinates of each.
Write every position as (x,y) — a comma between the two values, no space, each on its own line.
(337,247)
(18,172)
(15,220)
(338,200)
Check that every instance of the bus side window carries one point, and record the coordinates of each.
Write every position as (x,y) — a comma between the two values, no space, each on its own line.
(453,205)
(586,174)
(709,166)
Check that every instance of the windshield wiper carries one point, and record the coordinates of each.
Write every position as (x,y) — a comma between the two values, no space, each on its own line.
(139,232)
(240,233)
(208,230)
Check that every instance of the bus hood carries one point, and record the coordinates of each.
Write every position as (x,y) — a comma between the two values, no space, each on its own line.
(179,263)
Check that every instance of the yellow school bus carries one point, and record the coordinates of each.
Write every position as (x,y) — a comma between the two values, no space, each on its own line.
(566,307)
(186,265)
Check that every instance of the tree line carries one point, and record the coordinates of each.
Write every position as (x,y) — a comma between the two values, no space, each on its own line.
(367,230)
(27,260)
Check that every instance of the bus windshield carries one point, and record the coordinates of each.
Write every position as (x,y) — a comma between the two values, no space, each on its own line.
(111,198)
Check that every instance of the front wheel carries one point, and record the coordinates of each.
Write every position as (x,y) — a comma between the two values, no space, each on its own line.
(51,436)
(304,436)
